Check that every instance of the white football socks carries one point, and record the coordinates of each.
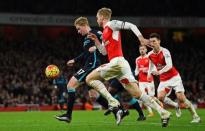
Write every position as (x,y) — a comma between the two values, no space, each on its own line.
(100,87)
(168,101)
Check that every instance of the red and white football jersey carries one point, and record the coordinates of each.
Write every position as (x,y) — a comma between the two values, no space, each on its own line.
(112,40)
(163,62)
(142,66)
(111,37)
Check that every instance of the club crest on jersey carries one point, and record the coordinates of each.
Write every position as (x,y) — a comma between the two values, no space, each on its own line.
(159,66)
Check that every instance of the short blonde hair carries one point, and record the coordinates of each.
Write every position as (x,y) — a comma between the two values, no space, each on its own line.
(81,21)
(105,12)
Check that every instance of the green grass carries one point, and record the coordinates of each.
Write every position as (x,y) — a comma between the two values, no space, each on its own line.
(94,121)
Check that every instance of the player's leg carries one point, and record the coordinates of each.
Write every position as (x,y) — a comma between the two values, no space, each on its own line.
(72,84)
(94,80)
(182,99)
(134,90)
(149,109)
(131,101)
(179,90)
(95,96)
(113,90)
(130,84)
(61,97)
(163,92)
(158,101)
(135,104)
(144,89)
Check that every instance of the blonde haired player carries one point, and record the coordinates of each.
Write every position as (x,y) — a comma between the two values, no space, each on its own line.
(90,58)
(118,67)
(169,76)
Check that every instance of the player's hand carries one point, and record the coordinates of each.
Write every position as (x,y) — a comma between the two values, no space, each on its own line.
(144,70)
(156,73)
(92,36)
(145,42)
(149,78)
(70,62)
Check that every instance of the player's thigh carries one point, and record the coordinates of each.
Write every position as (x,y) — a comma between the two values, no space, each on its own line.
(151,89)
(94,75)
(73,83)
(178,87)
(180,96)
(110,70)
(163,90)
(142,87)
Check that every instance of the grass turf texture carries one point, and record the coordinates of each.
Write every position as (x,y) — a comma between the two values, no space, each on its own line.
(94,121)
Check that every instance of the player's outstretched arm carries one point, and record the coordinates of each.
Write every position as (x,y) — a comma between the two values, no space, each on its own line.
(71,62)
(98,44)
(117,25)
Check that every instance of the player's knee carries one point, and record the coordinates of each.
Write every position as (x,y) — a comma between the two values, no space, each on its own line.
(73,83)
(87,80)
(181,97)
(161,97)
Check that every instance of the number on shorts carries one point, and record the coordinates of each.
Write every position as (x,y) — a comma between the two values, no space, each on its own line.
(80,71)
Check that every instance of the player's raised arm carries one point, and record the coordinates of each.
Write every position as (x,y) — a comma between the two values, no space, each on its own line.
(118,25)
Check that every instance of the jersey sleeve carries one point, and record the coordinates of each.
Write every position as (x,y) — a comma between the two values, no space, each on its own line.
(118,25)
(99,35)
(76,59)
(168,60)
(136,69)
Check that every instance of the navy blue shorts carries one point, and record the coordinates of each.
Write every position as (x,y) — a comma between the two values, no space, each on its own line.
(81,74)
(114,83)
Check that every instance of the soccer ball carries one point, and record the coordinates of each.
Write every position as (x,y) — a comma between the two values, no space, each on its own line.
(52,71)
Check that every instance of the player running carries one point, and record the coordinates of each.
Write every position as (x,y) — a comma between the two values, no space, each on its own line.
(169,76)
(90,56)
(114,88)
(118,67)
(141,70)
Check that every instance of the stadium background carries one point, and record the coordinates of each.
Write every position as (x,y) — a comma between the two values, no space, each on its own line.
(34,34)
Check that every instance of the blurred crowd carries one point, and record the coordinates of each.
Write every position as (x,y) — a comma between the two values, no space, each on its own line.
(22,65)
(119,7)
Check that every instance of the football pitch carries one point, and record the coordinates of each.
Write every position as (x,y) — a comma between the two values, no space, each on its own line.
(94,121)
